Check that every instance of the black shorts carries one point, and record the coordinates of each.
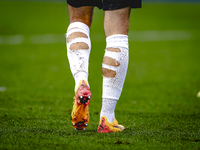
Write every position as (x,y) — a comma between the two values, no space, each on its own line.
(106,4)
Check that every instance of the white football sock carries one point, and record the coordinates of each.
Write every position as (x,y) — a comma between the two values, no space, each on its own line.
(78,51)
(108,108)
(114,70)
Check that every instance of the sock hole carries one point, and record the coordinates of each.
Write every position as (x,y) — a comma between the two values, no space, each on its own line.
(108,73)
(79,46)
(110,61)
(76,35)
(111,49)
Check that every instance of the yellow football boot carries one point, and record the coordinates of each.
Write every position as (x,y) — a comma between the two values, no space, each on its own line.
(106,127)
(80,111)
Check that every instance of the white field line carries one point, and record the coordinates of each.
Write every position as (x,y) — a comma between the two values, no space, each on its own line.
(12,40)
(2,89)
(140,36)
(47,39)
(152,35)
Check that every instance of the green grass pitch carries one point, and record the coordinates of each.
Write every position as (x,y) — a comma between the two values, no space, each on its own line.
(158,106)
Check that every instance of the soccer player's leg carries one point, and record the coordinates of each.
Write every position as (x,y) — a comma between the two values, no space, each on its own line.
(114,66)
(78,51)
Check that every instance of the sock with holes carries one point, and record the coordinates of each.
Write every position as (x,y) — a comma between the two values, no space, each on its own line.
(114,68)
(78,51)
